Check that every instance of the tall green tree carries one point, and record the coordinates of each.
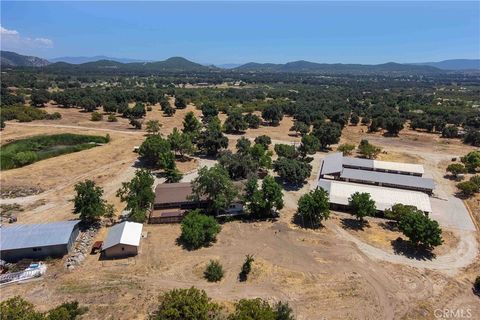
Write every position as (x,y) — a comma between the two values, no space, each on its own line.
(272,114)
(368,150)
(362,205)
(212,140)
(292,171)
(180,143)
(235,122)
(152,148)
(88,201)
(327,133)
(264,201)
(314,207)
(191,126)
(138,195)
(215,185)
(153,126)
(180,103)
(421,230)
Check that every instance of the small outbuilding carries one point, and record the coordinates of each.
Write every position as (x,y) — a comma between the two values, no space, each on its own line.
(37,241)
(123,240)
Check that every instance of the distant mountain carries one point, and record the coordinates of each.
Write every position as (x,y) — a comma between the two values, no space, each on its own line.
(454,64)
(228,65)
(313,67)
(174,64)
(79,60)
(179,64)
(13,59)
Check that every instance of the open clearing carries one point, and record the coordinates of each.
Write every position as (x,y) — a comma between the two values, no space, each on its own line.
(334,272)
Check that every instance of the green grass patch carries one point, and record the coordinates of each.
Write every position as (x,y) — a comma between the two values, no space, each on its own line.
(27,151)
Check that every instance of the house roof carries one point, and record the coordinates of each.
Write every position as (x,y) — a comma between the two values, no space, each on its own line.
(173,192)
(332,163)
(339,192)
(23,236)
(390,178)
(127,233)
(180,191)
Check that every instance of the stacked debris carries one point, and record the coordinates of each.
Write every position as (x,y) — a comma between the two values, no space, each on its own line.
(82,248)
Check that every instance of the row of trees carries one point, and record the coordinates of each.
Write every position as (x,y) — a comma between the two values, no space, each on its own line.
(18,308)
(137,194)
(180,304)
(421,231)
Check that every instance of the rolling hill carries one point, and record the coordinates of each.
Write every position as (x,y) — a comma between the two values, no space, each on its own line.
(313,67)
(174,64)
(13,59)
(79,60)
(454,64)
(179,64)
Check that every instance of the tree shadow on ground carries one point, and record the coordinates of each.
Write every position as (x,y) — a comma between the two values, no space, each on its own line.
(188,247)
(405,248)
(302,223)
(288,186)
(389,225)
(354,224)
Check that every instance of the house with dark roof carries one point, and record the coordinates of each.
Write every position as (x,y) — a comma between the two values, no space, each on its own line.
(37,241)
(172,200)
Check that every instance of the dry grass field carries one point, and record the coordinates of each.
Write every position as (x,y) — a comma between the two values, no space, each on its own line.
(321,273)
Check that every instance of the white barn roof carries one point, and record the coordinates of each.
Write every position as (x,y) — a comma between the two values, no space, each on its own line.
(334,163)
(339,193)
(398,166)
(24,236)
(127,233)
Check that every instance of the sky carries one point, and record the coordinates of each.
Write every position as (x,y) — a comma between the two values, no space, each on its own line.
(240,32)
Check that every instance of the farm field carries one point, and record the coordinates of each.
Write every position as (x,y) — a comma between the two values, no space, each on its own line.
(333,272)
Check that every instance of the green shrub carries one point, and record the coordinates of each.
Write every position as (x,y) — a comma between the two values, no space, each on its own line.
(190,303)
(23,117)
(198,230)
(96,116)
(246,268)
(25,157)
(214,271)
(53,116)
(112,118)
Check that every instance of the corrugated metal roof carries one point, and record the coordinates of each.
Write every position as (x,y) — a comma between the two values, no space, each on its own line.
(173,192)
(358,162)
(127,233)
(390,178)
(332,163)
(383,165)
(339,193)
(399,166)
(36,235)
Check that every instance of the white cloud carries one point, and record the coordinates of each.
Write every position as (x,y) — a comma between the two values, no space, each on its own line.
(44,42)
(7,32)
(12,40)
